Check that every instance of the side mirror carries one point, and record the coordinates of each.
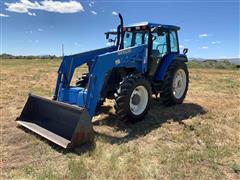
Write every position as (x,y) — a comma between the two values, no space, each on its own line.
(185,50)
(111,40)
(107,36)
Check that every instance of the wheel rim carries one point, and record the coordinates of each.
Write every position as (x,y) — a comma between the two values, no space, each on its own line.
(179,83)
(138,100)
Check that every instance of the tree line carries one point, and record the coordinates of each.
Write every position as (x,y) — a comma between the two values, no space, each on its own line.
(9,56)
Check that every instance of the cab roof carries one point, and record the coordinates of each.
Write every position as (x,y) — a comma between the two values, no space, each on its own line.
(152,25)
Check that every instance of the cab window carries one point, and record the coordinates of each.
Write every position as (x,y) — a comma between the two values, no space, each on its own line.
(159,46)
(173,42)
(138,39)
(135,38)
(146,38)
(141,38)
(128,39)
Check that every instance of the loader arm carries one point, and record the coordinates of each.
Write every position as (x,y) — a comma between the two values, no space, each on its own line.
(69,63)
(87,98)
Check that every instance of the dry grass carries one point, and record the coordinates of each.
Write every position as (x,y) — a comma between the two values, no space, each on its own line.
(199,139)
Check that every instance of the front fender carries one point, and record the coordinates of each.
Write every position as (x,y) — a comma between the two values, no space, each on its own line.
(165,62)
(133,57)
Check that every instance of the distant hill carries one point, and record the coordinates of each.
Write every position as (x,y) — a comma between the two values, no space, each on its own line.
(9,56)
(235,61)
(214,63)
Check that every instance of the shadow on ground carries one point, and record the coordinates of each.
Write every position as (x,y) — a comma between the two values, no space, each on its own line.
(81,150)
(157,115)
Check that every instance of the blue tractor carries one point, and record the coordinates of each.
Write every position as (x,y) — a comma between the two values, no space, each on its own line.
(143,61)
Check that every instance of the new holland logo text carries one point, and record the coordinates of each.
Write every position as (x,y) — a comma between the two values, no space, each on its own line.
(124,51)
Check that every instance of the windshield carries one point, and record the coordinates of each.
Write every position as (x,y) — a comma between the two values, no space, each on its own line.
(135,38)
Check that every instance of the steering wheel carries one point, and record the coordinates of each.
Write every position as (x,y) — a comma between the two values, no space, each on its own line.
(161,47)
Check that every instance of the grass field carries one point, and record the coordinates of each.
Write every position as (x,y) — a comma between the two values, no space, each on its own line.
(199,139)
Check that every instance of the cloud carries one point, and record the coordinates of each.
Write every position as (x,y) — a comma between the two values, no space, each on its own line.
(94,12)
(39,29)
(181,46)
(3,15)
(23,6)
(91,4)
(31,14)
(76,44)
(114,13)
(203,35)
(62,7)
(216,42)
(204,47)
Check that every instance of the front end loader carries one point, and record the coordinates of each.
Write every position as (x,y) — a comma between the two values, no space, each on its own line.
(143,60)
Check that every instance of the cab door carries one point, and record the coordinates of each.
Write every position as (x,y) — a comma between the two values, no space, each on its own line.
(159,48)
(173,38)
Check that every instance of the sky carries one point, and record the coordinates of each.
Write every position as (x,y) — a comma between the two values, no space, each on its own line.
(209,28)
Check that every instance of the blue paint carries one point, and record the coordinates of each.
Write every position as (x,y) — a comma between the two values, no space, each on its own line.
(102,61)
(69,63)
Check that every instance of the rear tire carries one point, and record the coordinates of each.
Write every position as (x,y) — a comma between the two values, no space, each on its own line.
(132,99)
(175,85)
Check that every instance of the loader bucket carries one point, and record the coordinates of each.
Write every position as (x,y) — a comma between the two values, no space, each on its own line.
(66,125)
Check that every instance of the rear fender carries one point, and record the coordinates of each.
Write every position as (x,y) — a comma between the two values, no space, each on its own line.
(166,61)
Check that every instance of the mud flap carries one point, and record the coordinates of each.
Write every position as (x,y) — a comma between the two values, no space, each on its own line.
(66,125)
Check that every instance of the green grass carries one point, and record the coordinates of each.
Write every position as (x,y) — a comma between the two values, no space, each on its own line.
(236,168)
(77,169)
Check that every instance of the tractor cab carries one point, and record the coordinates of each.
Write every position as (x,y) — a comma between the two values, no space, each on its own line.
(160,39)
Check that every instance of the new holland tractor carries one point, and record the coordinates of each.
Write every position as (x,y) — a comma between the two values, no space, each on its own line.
(143,61)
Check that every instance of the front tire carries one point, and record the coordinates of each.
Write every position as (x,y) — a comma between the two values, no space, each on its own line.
(175,85)
(132,99)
